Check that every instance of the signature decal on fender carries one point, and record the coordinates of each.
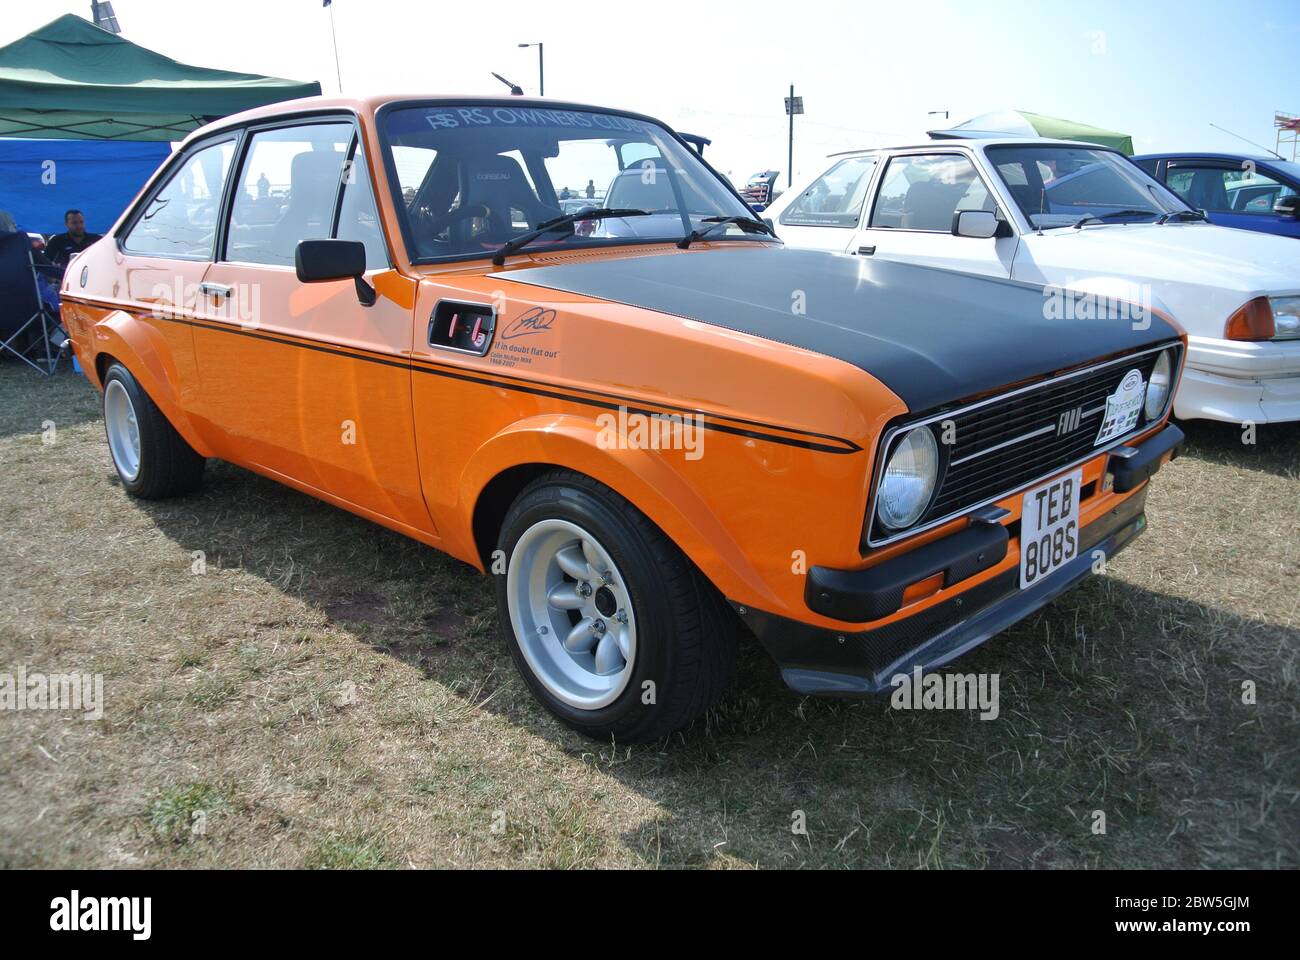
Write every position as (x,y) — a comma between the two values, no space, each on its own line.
(536,320)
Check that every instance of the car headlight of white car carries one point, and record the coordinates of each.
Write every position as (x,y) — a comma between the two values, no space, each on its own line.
(909,479)
(1286,317)
(1158,386)
(1265,318)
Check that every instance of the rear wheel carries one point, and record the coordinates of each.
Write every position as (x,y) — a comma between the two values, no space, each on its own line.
(612,628)
(152,460)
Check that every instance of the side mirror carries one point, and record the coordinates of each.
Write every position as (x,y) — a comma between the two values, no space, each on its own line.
(978,224)
(318,261)
(1288,207)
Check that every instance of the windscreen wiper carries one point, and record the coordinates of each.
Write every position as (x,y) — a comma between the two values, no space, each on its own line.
(1190,216)
(550,226)
(1102,217)
(715,222)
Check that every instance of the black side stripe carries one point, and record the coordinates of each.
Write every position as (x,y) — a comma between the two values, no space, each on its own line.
(626,401)
(610,405)
(608,401)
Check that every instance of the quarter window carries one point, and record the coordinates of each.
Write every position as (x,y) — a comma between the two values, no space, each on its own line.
(835,198)
(180,221)
(924,192)
(287,191)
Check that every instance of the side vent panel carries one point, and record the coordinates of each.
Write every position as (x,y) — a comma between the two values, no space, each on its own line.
(463,327)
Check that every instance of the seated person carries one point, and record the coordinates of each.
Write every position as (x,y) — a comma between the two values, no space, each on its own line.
(46,272)
(63,246)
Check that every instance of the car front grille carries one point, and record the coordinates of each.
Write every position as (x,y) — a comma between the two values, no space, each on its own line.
(1004,444)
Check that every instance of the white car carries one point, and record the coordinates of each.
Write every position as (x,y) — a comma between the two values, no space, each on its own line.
(1075,216)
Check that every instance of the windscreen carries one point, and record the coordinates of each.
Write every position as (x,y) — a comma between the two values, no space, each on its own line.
(470,178)
(1056,185)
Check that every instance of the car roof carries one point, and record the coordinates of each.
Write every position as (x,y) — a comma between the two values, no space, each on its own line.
(1203,155)
(971,143)
(370,105)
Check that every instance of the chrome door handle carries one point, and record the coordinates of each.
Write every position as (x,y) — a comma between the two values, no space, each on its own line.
(217,290)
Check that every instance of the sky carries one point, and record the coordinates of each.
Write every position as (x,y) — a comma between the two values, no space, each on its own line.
(870,72)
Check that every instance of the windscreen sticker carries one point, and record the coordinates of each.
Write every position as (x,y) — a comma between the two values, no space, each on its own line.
(1122,407)
(475,117)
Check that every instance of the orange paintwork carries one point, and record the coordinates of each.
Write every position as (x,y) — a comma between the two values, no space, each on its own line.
(430,429)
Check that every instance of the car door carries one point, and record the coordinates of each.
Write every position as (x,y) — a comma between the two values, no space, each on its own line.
(1239,194)
(828,212)
(304,381)
(910,217)
(166,251)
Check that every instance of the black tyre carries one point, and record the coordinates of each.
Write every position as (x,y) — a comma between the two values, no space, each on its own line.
(611,627)
(151,458)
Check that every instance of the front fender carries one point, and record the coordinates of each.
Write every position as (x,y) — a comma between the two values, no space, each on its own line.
(141,348)
(647,478)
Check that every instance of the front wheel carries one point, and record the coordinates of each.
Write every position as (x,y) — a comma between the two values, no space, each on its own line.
(612,628)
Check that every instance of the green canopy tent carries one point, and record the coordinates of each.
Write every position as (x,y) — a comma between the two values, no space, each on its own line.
(70,80)
(1021,123)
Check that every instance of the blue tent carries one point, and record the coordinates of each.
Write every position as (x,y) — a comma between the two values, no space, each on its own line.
(40,179)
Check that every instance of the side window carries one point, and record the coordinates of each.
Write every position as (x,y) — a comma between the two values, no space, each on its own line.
(412,165)
(529,195)
(643,186)
(631,153)
(181,219)
(358,216)
(578,164)
(924,192)
(1241,189)
(286,191)
(834,199)
(1180,182)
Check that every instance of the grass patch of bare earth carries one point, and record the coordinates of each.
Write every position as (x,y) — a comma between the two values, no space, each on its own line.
(328,694)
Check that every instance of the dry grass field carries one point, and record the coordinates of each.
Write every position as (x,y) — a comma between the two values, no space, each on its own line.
(328,694)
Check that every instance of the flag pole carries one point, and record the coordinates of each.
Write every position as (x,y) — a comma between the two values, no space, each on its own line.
(334,36)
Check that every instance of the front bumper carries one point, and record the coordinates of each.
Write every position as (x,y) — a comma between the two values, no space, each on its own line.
(814,660)
(1238,382)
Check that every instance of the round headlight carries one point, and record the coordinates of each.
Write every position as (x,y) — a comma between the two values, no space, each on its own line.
(909,479)
(1158,386)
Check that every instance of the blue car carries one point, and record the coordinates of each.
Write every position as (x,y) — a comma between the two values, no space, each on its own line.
(1235,190)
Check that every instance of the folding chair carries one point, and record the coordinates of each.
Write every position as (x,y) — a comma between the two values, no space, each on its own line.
(29,326)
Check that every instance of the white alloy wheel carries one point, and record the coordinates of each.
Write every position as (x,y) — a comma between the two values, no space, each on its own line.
(572,614)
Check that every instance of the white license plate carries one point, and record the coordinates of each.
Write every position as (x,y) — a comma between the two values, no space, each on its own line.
(1049,527)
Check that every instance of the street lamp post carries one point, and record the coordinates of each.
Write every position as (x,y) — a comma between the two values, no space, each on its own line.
(541,67)
(793,105)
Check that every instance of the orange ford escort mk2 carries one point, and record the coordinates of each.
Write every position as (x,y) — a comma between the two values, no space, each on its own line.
(658,428)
